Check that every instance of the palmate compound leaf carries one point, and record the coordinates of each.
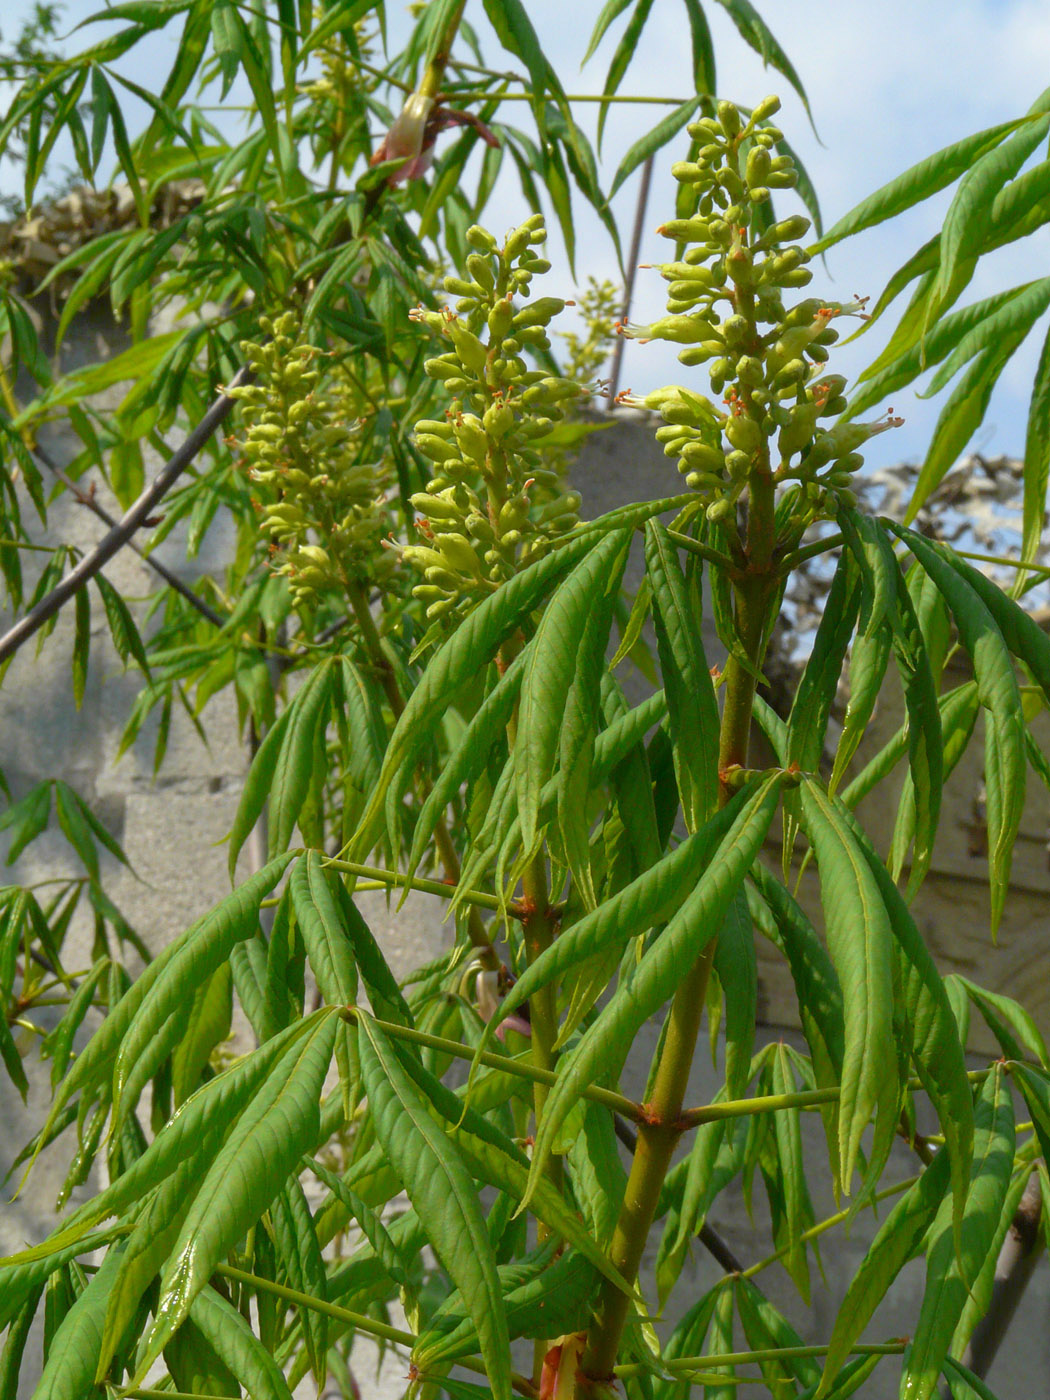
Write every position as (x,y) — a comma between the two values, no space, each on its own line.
(234,917)
(1005,762)
(655,978)
(587,593)
(691,704)
(952,1270)
(279,1125)
(440,1187)
(473,645)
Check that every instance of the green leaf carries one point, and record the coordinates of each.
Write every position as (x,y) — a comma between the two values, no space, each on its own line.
(653,897)
(319,916)
(818,684)
(691,705)
(970,213)
(998,692)
(122,629)
(951,1274)
(753,29)
(883,379)
(860,940)
(655,978)
(550,672)
(281,771)
(470,648)
(69,1371)
(654,139)
(580,721)
(26,819)
(1003,328)
(183,966)
(81,644)
(1037,457)
(737,970)
(897,1240)
(278,1126)
(935,1046)
(299,1256)
(961,416)
(621,59)
(237,1347)
(443,1194)
(610,11)
(916,184)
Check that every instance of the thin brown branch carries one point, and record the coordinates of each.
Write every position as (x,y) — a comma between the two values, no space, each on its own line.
(87,498)
(125,528)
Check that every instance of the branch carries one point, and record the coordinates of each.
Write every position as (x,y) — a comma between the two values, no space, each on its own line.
(122,532)
(708,1236)
(86,498)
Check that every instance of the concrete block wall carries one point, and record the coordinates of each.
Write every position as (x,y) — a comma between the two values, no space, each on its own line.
(172,828)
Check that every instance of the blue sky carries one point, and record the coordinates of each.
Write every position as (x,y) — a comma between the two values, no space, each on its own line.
(888,84)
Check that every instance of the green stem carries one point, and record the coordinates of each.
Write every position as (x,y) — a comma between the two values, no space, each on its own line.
(703,551)
(822,1226)
(386,878)
(505,1063)
(359,1321)
(434,76)
(743,1358)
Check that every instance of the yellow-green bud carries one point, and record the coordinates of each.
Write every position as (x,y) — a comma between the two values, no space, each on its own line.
(472,353)
(768,107)
(743,432)
(728,118)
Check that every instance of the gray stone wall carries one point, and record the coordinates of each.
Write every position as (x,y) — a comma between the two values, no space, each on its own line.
(172,828)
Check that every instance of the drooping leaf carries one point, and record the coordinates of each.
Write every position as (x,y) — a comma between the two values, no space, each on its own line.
(550,671)
(440,1188)
(951,1275)
(659,973)
(279,1125)
(860,940)
(691,704)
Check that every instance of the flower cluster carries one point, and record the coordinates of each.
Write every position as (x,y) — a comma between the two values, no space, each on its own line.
(496,499)
(726,308)
(321,505)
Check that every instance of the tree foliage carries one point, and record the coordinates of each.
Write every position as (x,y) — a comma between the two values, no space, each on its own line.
(429,643)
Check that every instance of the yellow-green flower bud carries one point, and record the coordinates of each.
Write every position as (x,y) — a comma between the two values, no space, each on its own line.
(481,239)
(729,118)
(472,353)
(480,268)
(699,456)
(759,162)
(459,553)
(686,230)
(498,420)
(768,107)
(436,448)
(743,432)
(501,318)
(738,463)
(539,312)
(470,435)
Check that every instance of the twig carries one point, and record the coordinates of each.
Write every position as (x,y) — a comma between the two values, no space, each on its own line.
(122,532)
(86,498)
(632,264)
